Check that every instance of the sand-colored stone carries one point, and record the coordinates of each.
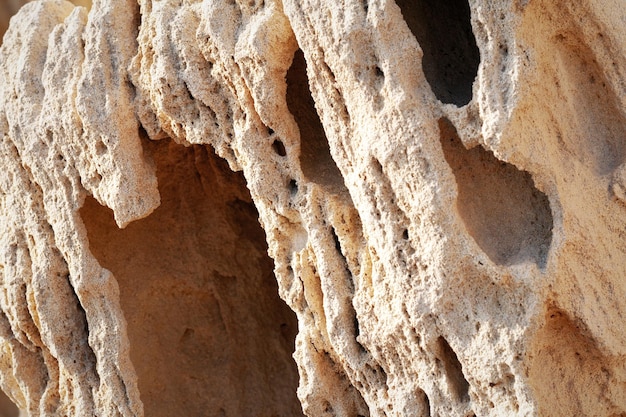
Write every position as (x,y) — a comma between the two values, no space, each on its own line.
(440,188)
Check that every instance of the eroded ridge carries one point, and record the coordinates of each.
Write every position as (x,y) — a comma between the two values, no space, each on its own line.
(449,237)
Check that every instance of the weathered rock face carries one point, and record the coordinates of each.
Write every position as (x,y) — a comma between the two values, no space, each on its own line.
(441,186)
(198,293)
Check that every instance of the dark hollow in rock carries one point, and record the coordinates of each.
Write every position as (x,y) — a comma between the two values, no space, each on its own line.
(502,210)
(316,161)
(454,372)
(444,32)
(208,331)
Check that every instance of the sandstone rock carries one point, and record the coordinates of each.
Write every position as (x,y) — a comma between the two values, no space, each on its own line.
(441,186)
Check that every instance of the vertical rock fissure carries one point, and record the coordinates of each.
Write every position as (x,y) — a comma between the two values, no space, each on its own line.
(454,372)
(444,32)
(209,334)
(316,161)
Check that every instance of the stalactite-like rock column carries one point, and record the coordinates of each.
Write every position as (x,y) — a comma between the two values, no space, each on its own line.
(319,207)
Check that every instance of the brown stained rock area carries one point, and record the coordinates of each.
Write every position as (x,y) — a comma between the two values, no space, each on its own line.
(7,408)
(440,188)
(568,371)
(208,333)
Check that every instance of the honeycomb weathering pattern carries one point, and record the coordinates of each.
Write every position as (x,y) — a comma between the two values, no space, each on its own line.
(441,190)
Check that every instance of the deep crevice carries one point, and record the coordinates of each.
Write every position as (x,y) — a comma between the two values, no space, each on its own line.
(315,158)
(502,210)
(357,333)
(453,369)
(444,32)
(337,242)
(208,331)
(293,187)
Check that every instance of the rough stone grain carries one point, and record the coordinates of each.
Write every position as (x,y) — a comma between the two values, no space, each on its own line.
(440,188)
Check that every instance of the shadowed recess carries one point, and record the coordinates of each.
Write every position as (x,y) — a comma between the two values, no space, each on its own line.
(316,161)
(444,32)
(502,210)
(209,334)
(7,408)
(425,403)
(596,132)
(454,372)
(565,358)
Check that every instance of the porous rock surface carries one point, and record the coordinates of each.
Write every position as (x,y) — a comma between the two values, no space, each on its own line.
(440,187)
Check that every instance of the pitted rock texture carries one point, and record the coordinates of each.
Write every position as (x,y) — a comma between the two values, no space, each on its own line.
(440,188)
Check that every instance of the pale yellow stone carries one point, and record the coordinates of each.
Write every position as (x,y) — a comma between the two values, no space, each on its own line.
(440,187)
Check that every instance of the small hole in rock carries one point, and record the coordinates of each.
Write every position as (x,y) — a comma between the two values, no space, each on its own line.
(293,187)
(101,148)
(279,148)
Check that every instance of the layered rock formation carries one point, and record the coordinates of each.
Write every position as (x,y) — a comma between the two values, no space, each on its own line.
(440,187)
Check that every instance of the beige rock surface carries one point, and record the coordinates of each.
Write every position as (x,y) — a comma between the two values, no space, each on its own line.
(441,186)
